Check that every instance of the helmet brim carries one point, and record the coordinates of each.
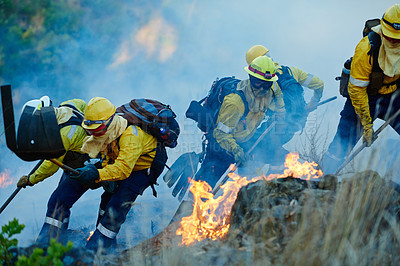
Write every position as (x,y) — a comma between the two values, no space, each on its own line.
(90,127)
(274,78)
(389,31)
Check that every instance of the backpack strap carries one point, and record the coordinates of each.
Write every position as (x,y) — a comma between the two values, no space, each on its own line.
(158,164)
(74,120)
(246,105)
(375,42)
(376,76)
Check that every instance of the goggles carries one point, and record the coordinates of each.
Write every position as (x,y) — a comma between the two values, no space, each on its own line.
(266,75)
(92,122)
(101,130)
(395,26)
(259,83)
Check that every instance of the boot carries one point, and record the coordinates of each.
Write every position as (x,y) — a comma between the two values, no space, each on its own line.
(99,241)
(48,232)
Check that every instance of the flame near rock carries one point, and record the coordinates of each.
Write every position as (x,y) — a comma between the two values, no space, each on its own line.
(210,217)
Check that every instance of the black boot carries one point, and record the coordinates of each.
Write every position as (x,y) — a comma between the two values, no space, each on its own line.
(98,240)
(48,232)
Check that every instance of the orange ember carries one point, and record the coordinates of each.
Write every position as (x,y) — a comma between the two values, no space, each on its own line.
(210,217)
(5,179)
(90,235)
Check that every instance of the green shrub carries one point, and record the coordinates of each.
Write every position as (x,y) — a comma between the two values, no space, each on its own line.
(53,255)
(54,252)
(7,231)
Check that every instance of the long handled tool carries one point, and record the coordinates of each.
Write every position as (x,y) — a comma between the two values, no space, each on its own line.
(61,165)
(374,137)
(327,100)
(65,167)
(233,167)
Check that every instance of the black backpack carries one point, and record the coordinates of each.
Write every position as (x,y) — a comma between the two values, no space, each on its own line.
(293,97)
(205,112)
(376,76)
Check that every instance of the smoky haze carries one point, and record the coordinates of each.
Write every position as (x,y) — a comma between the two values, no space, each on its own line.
(172,51)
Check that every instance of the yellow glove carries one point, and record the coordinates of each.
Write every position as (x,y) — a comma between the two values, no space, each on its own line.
(24,181)
(367,134)
(239,155)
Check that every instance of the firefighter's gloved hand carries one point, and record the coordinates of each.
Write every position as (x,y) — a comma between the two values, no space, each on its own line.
(240,156)
(367,134)
(24,181)
(87,175)
(311,106)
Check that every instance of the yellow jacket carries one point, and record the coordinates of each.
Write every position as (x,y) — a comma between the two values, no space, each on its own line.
(306,80)
(72,138)
(130,152)
(361,68)
(231,129)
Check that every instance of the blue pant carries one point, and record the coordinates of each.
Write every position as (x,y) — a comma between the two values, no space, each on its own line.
(215,163)
(58,212)
(350,130)
(113,208)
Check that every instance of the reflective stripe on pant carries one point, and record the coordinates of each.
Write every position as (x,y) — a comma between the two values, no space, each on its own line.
(118,204)
(58,212)
(66,194)
(349,130)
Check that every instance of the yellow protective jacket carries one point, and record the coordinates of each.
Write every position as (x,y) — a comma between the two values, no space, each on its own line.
(361,68)
(306,80)
(134,150)
(72,137)
(231,129)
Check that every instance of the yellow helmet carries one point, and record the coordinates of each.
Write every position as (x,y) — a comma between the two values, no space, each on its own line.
(262,68)
(254,52)
(391,22)
(97,112)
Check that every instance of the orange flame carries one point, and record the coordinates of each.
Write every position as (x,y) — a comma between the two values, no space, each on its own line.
(90,235)
(5,179)
(296,169)
(210,217)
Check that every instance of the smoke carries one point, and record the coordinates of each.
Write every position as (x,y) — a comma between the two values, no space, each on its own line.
(172,51)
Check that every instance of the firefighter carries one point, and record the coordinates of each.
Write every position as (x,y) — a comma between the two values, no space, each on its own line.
(127,154)
(232,130)
(373,92)
(69,116)
(270,149)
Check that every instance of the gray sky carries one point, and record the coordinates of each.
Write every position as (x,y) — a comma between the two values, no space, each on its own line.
(174,57)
